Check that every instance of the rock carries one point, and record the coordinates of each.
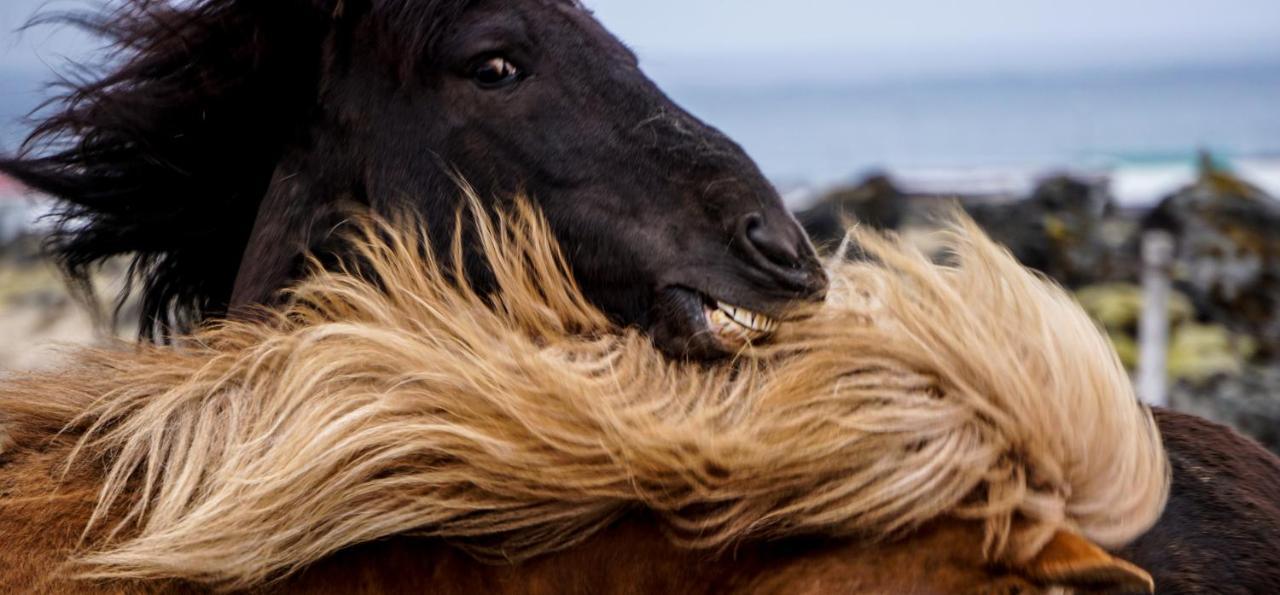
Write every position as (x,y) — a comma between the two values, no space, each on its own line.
(1126,347)
(1118,306)
(1060,230)
(1228,252)
(875,202)
(1067,195)
(1247,401)
(1065,229)
(1198,352)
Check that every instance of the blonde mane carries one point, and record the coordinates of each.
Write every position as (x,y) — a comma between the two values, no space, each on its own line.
(390,398)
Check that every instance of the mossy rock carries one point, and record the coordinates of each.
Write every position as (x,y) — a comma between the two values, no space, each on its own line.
(1198,352)
(1126,347)
(1228,252)
(1118,306)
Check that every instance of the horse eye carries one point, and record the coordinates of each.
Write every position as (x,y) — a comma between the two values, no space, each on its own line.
(495,72)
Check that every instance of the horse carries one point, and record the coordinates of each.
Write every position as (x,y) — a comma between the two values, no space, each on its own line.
(228,138)
(225,139)
(393,428)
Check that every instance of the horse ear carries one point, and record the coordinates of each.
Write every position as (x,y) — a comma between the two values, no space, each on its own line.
(280,236)
(1073,562)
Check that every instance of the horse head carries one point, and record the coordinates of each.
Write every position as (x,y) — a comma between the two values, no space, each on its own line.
(226,138)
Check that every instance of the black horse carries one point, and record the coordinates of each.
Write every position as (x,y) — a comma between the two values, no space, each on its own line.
(224,134)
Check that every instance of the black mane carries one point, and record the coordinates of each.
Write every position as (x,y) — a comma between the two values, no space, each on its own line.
(165,152)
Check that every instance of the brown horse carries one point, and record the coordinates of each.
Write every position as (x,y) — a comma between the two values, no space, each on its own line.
(630,557)
(393,429)
(1220,532)
(1189,551)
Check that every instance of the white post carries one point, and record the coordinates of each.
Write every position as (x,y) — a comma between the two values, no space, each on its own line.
(1153,331)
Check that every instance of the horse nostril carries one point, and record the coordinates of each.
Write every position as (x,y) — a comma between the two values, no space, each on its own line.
(770,243)
(782,252)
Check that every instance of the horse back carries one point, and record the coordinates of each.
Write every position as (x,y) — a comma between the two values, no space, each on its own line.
(1220,532)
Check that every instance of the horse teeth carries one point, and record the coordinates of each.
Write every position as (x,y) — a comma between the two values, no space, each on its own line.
(719,318)
(743,318)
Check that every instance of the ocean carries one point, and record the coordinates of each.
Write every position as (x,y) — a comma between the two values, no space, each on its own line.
(1140,129)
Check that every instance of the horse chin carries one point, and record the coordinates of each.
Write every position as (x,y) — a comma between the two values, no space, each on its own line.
(689,324)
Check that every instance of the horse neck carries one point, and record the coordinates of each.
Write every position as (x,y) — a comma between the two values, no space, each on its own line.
(635,557)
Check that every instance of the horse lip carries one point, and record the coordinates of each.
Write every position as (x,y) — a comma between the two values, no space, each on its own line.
(778,305)
(685,324)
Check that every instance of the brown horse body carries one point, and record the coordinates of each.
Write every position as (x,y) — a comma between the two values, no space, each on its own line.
(1220,534)
(42,517)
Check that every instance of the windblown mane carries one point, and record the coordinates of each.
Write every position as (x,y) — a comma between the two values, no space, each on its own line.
(164,150)
(395,400)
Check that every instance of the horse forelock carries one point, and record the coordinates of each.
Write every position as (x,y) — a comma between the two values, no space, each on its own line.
(388,397)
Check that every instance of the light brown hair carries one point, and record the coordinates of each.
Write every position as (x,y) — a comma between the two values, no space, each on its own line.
(390,398)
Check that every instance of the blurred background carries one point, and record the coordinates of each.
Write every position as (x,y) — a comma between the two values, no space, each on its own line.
(984,93)
(1074,132)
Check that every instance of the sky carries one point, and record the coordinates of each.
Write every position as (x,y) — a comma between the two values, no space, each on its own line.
(37,49)
(764,39)
(853,39)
